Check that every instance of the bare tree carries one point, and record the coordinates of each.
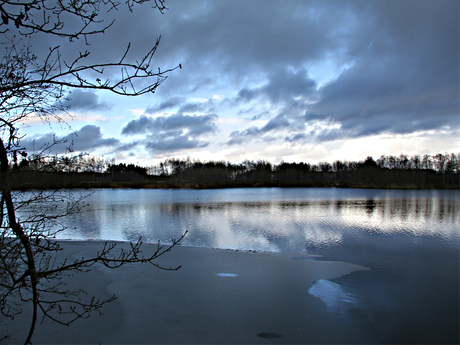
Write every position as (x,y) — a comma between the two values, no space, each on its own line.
(37,87)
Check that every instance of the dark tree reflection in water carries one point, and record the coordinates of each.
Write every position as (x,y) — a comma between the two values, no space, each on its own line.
(409,240)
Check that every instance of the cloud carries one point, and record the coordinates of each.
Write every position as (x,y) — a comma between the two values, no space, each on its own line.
(401,76)
(316,71)
(284,85)
(140,126)
(174,132)
(128,146)
(246,136)
(184,106)
(405,80)
(170,103)
(192,124)
(275,125)
(82,100)
(175,143)
(366,102)
(86,138)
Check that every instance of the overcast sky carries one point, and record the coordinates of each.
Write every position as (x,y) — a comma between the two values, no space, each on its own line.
(277,80)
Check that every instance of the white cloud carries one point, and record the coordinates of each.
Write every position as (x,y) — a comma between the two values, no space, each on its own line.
(137,112)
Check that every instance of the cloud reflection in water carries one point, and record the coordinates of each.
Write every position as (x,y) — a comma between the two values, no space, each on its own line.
(271,219)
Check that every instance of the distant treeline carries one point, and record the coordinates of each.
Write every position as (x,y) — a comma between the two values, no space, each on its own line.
(403,171)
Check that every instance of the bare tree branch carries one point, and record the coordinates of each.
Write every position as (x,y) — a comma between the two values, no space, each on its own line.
(30,271)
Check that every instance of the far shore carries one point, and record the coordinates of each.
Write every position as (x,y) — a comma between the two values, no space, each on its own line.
(368,177)
(218,296)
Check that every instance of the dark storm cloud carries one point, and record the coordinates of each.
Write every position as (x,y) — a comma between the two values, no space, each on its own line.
(275,123)
(194,125)
(246,136)
(271,127)
(196,107)
(86,138)
(406,80)
(174,132)
(128,146)
(397,65)
(403,75)
(283,86)
(170,103)
(90,137)
(183,106)
(81,100)
(174,144)
(140,126)
(297,137)
(242,36)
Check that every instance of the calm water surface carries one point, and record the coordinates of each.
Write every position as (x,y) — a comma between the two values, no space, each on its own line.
(271,219)
(409,240)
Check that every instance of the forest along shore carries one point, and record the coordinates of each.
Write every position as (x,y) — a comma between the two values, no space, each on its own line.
(386,172)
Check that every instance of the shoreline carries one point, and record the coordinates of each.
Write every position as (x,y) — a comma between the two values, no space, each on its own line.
(368,178)
(392,186)
(217,296)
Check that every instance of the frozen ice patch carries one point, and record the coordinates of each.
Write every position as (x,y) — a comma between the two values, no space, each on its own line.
(227,275)
(333,295)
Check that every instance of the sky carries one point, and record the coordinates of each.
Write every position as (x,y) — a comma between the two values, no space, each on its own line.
(293,81)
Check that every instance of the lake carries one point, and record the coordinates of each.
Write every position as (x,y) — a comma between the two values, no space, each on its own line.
(409,240)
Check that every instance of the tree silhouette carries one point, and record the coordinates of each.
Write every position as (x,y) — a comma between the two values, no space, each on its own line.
(38,87)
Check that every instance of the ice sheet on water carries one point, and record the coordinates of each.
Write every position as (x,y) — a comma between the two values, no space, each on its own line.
(332,294)
(227,275)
